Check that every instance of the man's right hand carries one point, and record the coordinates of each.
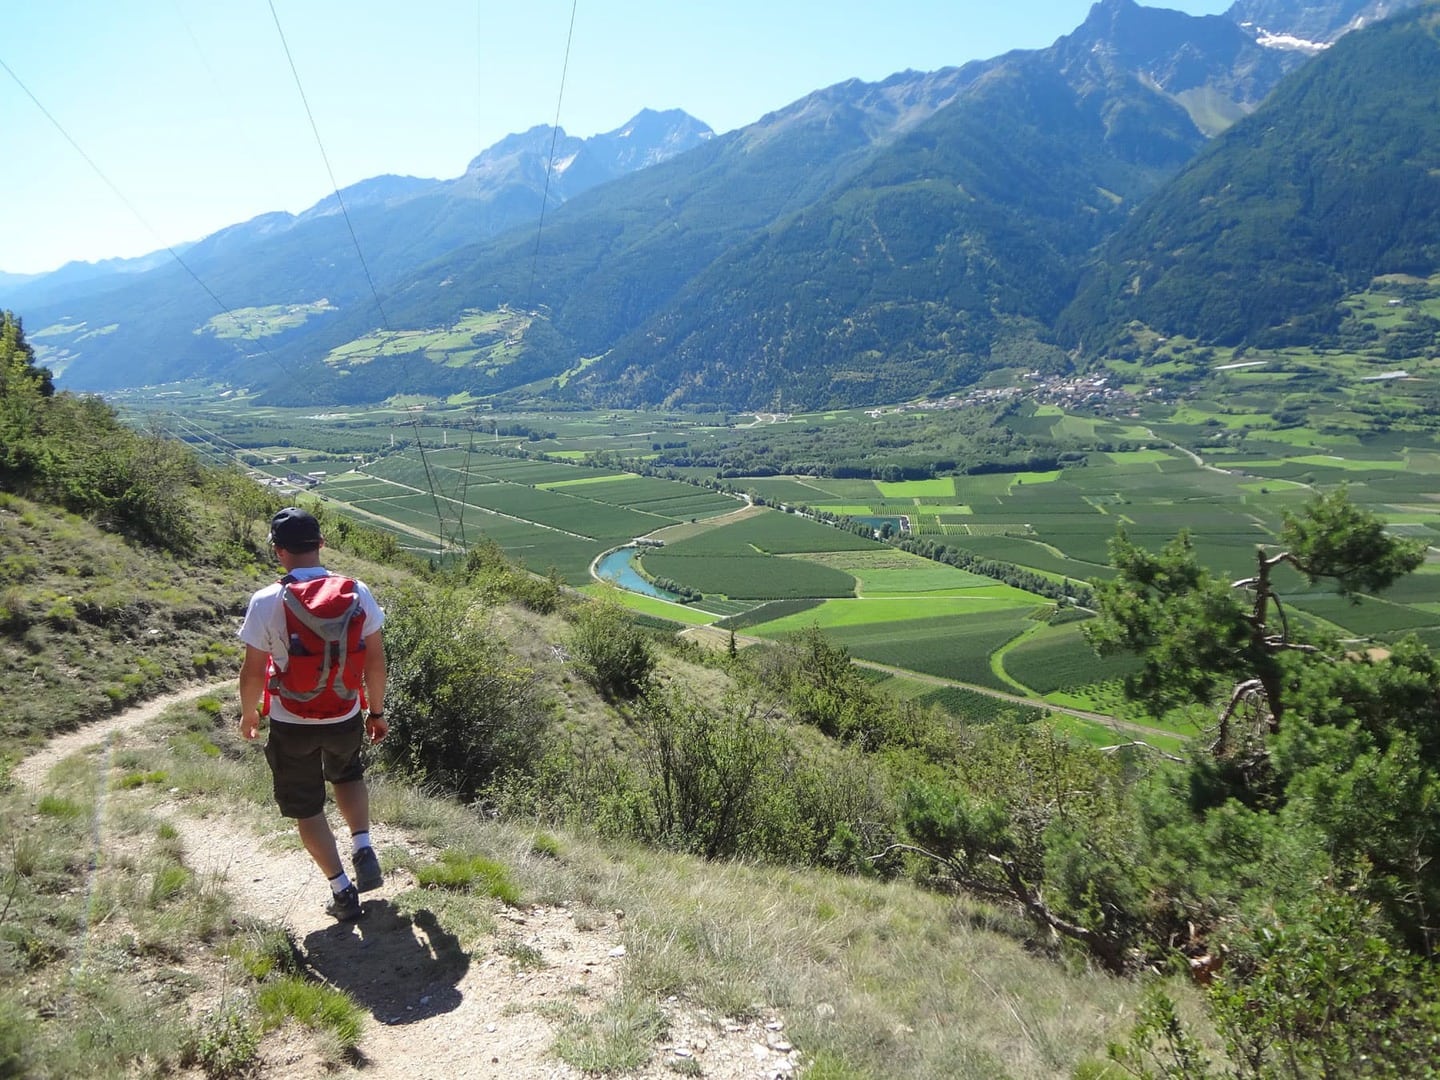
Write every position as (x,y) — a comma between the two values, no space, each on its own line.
(250,723)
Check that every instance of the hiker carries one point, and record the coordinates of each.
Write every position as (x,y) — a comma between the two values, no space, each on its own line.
(315,668)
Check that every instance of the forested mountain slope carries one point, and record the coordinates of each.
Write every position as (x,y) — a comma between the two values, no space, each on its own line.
(951,251)
(1335,180)
(865,243)
(128,328)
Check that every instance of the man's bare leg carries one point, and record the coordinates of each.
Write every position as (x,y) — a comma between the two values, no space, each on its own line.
(353,801)
(319,841)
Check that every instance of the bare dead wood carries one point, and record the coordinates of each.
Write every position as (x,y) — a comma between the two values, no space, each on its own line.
(1016,889)
(1242,691)
(1140,743)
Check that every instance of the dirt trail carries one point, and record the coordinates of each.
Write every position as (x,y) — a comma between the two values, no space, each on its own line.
(437,1011)
(31,770)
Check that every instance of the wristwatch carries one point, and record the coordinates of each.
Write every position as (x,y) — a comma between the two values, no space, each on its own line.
(375,714)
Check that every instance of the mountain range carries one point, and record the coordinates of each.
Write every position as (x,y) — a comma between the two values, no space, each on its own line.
(1226,177)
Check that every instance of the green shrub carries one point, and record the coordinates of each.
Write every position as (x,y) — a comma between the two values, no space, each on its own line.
(264,949)
(488,570)
(224,1045)
(611,653)
(1322,992)
(461,707)
(709,772)
(1317,991)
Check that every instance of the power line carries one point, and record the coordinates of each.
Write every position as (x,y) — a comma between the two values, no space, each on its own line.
(550,161)
(465,488)
(235,448)
(227,451)
(115,190)
(197,444)
(434,498)
(326,158)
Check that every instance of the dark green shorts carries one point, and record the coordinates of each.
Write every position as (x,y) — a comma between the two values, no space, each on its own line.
(303,756)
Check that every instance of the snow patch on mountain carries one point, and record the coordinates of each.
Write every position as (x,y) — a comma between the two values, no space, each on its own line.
(1289,42)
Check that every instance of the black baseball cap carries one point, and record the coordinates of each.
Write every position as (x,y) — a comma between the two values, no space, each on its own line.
(295,530)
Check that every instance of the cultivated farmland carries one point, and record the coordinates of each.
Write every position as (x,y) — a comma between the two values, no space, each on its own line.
(1128,472)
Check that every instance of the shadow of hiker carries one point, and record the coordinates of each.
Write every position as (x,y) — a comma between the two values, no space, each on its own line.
(402,968)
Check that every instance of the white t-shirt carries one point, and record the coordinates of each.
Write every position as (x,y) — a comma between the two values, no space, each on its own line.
(264,629)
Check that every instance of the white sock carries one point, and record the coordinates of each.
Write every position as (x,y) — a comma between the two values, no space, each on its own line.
(360,840)
(339,883)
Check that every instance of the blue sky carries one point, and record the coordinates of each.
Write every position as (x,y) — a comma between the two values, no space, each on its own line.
(190,109)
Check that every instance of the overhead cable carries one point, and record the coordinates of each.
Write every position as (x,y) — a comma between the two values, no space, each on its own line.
(550,161)
(135,211)
(326,158)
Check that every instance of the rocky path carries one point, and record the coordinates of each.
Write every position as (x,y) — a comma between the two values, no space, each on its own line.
(436,1010)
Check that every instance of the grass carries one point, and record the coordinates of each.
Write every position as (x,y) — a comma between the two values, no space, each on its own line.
(884,979)
(471,872)
(618,1040)
(90,624)
(873,979)
(312,1005)
(100,920)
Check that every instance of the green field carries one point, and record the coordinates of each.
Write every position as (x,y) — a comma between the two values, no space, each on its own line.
(749,577)
(939,488)
(889,572)
(556,488)
(953,646)
(650,605)
(1057,658)
(773,534)
(881,611)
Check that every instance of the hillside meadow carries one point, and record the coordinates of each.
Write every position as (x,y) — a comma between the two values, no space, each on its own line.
(871,977)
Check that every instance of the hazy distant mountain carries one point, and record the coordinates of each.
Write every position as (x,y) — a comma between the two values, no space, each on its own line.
(156,308)
(21,291)
(1305,25)
(15,280)
(868,242)
(1335,180)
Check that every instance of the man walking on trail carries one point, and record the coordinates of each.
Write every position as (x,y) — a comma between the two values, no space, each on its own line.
(315,667)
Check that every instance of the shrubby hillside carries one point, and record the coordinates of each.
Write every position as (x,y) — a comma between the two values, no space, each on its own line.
(1289,860)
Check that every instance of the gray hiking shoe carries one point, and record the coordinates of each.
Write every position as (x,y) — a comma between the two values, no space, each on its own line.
(367,870)
(345,906)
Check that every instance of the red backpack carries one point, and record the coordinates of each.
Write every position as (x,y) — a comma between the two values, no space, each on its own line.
(326,628)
